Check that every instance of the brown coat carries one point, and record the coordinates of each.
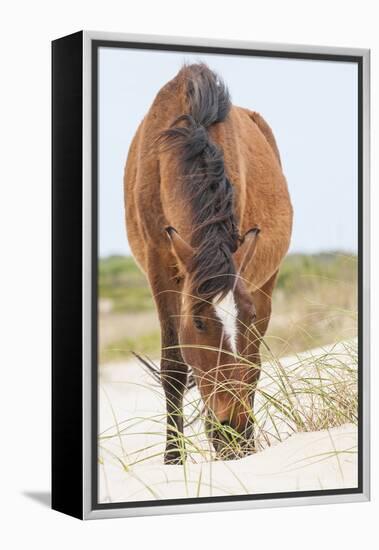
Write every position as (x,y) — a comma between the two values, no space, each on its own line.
(156,197)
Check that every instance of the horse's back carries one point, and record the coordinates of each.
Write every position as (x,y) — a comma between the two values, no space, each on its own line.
(265,129)
(252,162)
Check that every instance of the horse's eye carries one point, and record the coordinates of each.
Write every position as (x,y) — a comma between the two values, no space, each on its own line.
(199,323)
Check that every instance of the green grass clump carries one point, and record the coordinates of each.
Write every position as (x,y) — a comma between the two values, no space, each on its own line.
(317,391)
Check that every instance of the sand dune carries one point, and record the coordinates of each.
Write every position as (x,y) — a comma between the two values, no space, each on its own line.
(132,428)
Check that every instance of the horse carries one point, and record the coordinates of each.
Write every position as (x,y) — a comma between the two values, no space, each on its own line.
(209,221)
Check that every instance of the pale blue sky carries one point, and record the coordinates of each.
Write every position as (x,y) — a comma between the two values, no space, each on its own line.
(310,105)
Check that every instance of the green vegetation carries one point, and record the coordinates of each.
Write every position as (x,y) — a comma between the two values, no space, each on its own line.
(305,271)
(147,344)
(314,303)
(123,285)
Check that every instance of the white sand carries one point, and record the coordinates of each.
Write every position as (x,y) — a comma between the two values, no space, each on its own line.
(132,424)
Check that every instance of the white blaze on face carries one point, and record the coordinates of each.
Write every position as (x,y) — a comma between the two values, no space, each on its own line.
(226,311)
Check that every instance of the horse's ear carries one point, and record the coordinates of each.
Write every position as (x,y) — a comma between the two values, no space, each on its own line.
(182,250)
(247,247)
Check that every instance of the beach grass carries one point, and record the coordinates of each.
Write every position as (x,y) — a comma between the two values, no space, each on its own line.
(316,391)
(309,372)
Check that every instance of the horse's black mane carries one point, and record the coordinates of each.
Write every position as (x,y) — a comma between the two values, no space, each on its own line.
(209,192)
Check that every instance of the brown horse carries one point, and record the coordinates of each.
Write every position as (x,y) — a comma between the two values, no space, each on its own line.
(203,178)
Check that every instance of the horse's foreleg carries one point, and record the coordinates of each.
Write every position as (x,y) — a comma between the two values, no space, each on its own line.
(174,380)
(173,368)
(262,301)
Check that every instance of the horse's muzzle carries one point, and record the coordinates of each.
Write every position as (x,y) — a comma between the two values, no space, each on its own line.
(228,443)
